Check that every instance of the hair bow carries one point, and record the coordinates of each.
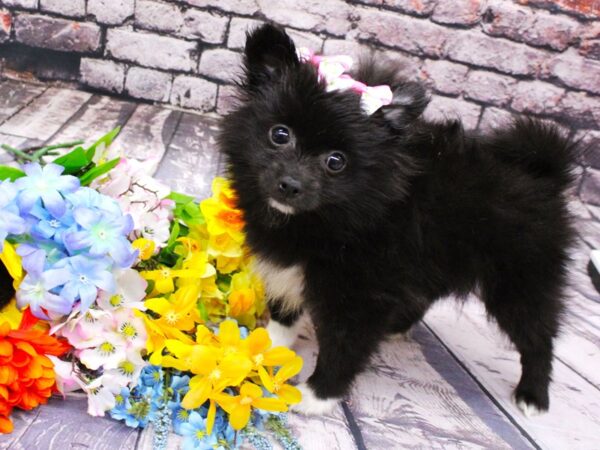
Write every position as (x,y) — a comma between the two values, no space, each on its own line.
(332,70)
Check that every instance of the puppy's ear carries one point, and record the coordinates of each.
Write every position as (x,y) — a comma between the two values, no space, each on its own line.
(408,103)
(269,51)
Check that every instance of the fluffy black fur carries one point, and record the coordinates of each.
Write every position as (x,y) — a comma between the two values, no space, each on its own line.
(421,210)
(6,288)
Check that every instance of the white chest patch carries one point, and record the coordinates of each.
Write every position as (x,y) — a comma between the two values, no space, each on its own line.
(282,283)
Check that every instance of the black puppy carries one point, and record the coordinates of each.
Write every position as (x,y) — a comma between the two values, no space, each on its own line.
(365,220)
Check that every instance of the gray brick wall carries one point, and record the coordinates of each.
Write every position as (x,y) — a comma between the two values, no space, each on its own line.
(483,60)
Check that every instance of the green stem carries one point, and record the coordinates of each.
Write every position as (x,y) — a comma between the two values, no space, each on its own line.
(39,153)
(19,153)
(44,150)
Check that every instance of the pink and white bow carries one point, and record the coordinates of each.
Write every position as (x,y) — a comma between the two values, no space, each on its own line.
(332,69)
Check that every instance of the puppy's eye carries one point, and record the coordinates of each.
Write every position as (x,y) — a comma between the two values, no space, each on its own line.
(335,162)
(279,135)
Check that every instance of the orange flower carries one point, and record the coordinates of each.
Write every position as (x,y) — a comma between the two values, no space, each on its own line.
(26,373)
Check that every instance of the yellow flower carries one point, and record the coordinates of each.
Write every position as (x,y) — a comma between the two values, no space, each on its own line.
(242,296)
(276,384)
(175,312)
(221,214)
(11,314)
(145,246)
(12,262)
(226,264)
(163,278)
(258,348)
(239,406)
(224,244)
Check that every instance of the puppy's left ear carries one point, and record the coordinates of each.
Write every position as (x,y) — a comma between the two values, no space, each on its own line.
(408,103)
(269,51)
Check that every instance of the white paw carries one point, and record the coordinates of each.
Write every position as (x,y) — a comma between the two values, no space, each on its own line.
(282,335)
(529,410)
(311,405)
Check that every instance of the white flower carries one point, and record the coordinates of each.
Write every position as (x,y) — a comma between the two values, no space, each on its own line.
(66,379)
(130,328)
(155,226)
(83,330)
(131,366)
(107,354)
(131,291)
(101,392)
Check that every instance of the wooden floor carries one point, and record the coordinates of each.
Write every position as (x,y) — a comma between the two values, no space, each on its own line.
(447,385)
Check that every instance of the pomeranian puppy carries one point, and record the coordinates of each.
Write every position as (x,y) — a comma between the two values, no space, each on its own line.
(364,220)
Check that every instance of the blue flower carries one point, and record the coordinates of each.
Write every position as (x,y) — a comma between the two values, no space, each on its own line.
(195,436)
(151,376)
(122,403)
(103,234)
(180,386)
(45,183)
(10,220)
(86,277)
(49,227)
(36,292)
(179,416)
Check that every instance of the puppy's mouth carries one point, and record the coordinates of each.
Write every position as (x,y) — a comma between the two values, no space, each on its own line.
(284,209)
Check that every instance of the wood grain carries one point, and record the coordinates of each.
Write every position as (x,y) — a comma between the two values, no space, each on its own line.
(192,158)
(65,424)
(46,114)
(96,118)
(15,95)
(573,420)
(147,134)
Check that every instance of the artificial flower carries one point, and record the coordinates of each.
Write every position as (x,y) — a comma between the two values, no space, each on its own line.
(276,384)
(163,278)
(86,276)
(145,246)
(239,406)
(26,373)
(103,235)
(130,291)
(46,183)
(10,220)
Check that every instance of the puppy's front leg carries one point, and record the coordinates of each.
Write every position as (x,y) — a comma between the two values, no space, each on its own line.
(345,347)
(284,325)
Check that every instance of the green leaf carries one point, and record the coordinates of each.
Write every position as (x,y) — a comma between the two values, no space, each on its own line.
(73,161)
(174,234)
(180,199)
(98,171)
(104,141)
(10,173)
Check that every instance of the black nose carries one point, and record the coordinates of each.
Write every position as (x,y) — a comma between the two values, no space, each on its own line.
(289,187)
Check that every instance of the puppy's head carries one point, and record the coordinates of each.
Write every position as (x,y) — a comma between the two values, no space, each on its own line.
(296,150)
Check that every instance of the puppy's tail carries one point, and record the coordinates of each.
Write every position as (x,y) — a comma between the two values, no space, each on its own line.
(540,149)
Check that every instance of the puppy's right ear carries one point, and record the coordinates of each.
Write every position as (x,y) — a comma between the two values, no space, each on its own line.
(269,51)
(408,103)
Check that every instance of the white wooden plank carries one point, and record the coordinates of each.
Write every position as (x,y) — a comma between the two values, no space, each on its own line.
(46,114)
(147,134)
(401,401)
(192,158)
(65,424)
(99,116)
(574,417)
(14,95)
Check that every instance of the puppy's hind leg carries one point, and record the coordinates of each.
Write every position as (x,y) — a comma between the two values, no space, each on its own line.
(284,325)
(530,317)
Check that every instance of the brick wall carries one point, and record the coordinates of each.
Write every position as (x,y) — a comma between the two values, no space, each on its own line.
(482,59)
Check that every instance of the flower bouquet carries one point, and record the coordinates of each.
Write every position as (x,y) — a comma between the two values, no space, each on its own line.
(141,297)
